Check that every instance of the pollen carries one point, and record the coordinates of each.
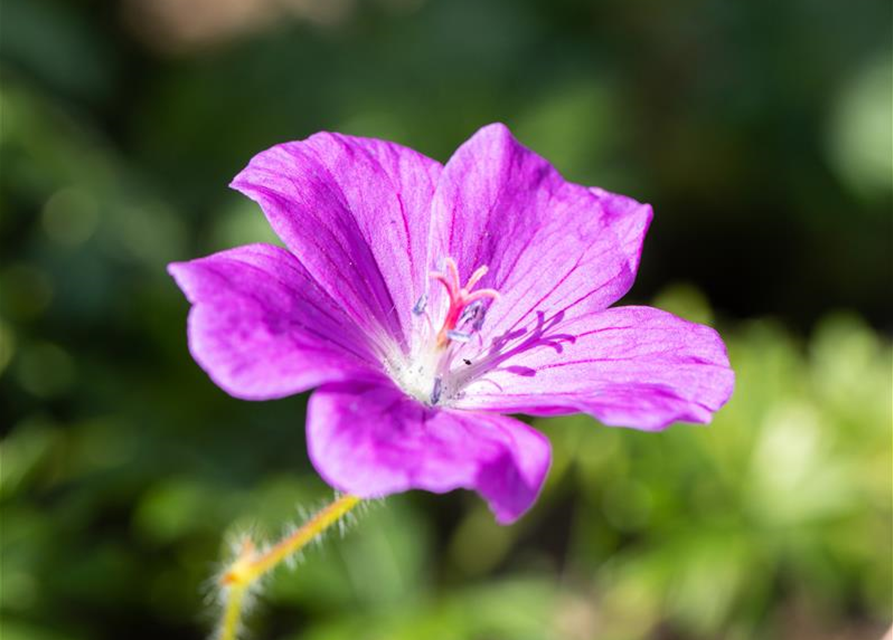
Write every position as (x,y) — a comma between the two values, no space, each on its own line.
(466,304)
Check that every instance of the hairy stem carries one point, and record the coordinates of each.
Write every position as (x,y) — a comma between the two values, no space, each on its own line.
(252,564)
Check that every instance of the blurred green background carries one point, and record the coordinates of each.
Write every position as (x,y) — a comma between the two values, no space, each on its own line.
(760,131)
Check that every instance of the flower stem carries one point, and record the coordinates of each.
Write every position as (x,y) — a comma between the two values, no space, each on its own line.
(229,629)
(252,564)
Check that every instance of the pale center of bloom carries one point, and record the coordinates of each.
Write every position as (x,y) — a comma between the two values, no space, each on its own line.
(435,372)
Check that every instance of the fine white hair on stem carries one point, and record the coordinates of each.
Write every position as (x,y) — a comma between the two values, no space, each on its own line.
(240,580)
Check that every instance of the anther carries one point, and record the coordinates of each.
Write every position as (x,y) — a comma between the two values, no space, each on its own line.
(479,319)
(473,316)
(420,305)
(437,390)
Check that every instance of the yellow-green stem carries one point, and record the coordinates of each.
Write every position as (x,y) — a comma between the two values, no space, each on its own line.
(232,615)
(251,564)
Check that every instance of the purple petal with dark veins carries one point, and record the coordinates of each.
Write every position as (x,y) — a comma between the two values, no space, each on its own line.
(370,440)
(356,212)
(629,366)
(552,246)
(262,328)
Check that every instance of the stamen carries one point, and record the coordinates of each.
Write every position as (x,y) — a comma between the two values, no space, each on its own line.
(479,319)
(473,315)
(471,311)
(420,305)
(437,390)
(458,336)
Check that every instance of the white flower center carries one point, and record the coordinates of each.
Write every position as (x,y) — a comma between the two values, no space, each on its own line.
(442,362)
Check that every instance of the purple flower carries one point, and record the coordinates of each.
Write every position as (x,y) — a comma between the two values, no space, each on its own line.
(425,301)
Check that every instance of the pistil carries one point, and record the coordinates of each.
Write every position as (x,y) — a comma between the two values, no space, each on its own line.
(462,306)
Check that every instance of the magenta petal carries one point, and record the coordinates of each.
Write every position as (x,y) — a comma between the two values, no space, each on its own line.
(262,328)
(629,366)
(628,219)
(552,246)
(370,440)
(356,212)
